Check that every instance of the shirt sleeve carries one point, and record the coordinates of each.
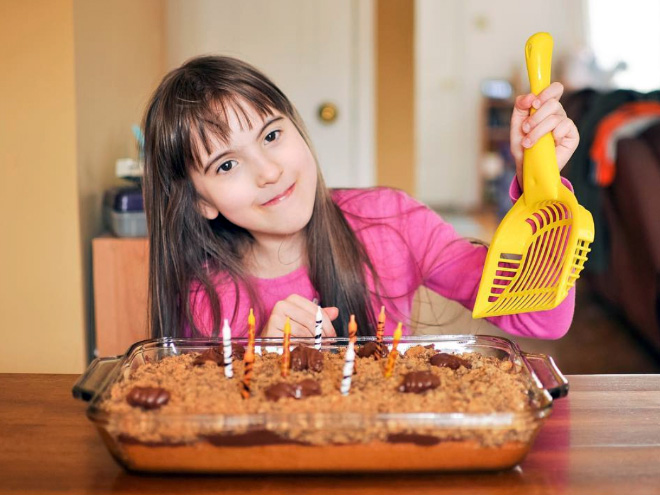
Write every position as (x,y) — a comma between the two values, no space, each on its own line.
(452,266)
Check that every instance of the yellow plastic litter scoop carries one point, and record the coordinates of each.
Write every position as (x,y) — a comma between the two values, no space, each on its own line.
(541,245)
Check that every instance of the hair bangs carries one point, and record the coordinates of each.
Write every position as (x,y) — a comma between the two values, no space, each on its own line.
(207,118)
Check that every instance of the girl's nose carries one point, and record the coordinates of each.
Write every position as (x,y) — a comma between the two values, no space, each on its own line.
(268,172)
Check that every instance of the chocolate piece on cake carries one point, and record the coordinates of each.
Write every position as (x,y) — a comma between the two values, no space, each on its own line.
(370,349)
(148,397)
(417,382)
(450,361)
(216,355)
(282,390)
(306,358)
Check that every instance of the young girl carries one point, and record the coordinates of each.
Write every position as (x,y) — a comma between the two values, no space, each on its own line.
(239,217)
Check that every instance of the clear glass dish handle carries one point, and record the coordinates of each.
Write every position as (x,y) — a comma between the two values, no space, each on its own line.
(92,380)
(547,372)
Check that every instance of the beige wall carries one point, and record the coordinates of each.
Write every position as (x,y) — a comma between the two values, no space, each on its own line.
(41,303)
(395,141)
(75,75)
(119,60)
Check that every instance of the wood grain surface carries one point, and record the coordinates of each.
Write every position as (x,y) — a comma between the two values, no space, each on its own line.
(120,292)
(603,438)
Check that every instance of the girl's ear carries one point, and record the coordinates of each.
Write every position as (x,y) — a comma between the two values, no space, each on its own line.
(207,210)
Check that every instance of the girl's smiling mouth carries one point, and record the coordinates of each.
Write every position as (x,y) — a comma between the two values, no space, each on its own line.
(280,197)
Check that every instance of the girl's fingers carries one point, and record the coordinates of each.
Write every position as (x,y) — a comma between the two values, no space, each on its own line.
(271,330)
(555,90)
(521,109)
(550,107)
(329,314)
(564,133)
(550,116)
(303,303)
(302,314)
(567,139)
(332,312)
(298,330)
(311,308)
(545,126)
(522,104)
(296,314)
(565,130)
(276,327)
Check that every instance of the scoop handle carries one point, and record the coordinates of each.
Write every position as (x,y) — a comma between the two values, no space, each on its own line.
(540,171)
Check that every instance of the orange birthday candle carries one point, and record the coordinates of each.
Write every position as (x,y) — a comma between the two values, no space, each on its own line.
(251,326)
(352,329)
(286,352)
(379,333)
(393,353)
(248,361)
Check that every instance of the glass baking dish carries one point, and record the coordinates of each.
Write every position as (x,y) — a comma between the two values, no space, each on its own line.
(419,441)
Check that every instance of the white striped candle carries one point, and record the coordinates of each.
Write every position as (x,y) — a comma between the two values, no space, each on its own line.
(318,329)
(226,345)
(349,362)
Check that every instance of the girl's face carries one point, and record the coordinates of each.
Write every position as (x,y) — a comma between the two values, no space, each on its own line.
(263,179)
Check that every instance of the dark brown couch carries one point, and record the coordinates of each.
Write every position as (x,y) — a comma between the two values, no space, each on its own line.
(626,270)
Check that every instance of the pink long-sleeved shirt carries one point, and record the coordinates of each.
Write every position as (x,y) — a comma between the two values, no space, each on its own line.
(409,246)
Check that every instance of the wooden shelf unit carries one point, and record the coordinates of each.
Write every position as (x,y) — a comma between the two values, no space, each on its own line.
(495,129)
(120,267)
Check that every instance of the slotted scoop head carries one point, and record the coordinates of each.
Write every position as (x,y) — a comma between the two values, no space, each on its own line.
(540,247)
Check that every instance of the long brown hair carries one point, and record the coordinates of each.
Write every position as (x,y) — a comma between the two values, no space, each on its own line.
(186,250)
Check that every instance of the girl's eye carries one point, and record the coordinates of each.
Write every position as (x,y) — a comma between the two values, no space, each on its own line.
(227,166)
(272,136)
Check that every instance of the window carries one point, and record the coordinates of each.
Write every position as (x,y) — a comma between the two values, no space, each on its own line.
(627,32)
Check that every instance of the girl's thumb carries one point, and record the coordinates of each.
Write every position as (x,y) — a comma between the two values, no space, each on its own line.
(332,312)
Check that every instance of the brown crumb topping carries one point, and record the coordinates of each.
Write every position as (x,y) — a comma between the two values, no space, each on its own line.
(487,385)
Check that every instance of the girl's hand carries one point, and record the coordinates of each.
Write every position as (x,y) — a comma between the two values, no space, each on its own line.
(550,116)
(302,313)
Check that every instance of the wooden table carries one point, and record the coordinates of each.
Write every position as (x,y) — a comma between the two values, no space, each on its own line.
(603,438)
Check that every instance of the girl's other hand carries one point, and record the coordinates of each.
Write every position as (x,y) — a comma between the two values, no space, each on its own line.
(302,313)
(550,116)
